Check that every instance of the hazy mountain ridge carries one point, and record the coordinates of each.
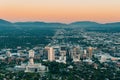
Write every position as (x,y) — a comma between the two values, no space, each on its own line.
(5,23)
(83,22)
(55,24)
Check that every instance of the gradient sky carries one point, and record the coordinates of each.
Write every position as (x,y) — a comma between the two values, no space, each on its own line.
(60,10)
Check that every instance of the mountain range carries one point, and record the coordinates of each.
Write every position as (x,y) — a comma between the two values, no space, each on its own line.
(36,24)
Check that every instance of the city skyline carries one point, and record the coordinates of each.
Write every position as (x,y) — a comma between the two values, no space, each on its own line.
(64,11)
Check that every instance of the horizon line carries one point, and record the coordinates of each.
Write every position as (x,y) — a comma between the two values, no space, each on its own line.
(59,21)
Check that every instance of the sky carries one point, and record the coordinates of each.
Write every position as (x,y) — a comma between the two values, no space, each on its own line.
(65,11)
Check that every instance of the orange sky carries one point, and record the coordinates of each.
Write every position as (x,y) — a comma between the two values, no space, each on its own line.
(60,10)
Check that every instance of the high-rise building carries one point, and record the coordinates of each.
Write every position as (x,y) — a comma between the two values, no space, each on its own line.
(62,56)
(85,52)
(76,54)
(84,55)
(90,51)
(51,55)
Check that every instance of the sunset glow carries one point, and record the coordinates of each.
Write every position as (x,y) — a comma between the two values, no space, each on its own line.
(60,10)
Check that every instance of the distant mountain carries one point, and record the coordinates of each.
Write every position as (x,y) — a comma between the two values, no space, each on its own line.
(30,23)
(37,24)
(85,24)
(4,22)
(6,26)
(115,24)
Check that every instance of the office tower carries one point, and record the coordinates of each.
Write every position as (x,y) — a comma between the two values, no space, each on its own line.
(90,49)
(76,54)
(51,56)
